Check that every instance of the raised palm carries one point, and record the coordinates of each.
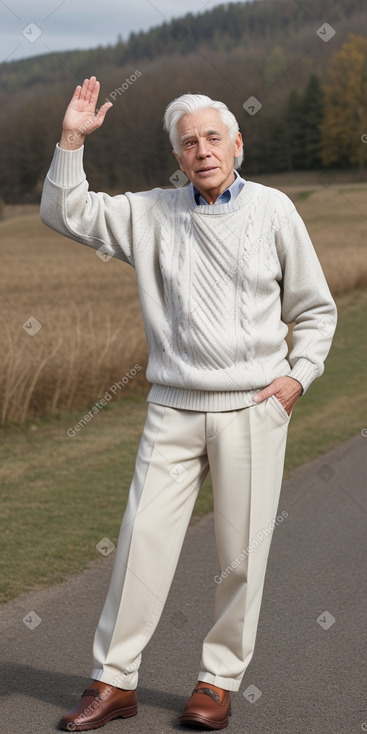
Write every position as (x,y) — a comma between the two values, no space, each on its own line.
(81,113)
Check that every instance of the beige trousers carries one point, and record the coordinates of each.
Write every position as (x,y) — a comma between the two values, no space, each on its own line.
(244,451)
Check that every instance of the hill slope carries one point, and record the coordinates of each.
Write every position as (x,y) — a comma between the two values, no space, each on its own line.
(265,49)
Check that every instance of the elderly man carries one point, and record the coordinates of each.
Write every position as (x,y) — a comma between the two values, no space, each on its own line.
(222,265)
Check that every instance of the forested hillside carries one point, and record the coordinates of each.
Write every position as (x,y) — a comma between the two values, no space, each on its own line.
(304,64)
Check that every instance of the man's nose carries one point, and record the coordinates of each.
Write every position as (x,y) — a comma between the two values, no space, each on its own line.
(203,148)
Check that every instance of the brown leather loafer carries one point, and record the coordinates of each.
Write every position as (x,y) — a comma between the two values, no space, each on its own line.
(207,708)
(99,704)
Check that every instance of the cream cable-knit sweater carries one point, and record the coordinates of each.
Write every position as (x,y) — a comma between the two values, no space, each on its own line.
(217,284)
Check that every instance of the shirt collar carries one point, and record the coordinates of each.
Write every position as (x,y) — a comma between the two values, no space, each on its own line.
(230,193)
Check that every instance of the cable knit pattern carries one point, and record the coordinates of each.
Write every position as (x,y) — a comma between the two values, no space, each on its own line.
(212,319)
(217,284)
(247,285)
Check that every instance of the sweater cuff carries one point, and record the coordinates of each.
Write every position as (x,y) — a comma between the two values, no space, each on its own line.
(66,169)
(305,372)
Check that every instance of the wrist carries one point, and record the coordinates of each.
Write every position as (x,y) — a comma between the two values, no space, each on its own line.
(300,386)
(71,140)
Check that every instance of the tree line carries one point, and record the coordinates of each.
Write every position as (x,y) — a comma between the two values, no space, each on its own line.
(312,113)
(221,30)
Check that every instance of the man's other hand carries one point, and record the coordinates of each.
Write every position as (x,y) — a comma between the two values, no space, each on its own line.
(285,389)
(81,117)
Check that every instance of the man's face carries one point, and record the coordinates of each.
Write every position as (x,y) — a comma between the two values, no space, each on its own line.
(207,151)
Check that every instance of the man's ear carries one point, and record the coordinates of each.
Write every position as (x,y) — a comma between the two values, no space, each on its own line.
(238,145)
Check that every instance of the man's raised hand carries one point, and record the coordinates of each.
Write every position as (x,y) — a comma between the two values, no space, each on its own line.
(81,117)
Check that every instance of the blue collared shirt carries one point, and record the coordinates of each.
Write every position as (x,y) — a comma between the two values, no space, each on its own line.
(230,193)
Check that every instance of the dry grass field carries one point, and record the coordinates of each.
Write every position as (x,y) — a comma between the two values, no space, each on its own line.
(336,219)
(91,331)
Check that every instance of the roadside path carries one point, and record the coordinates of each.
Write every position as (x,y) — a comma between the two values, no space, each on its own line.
(312,679)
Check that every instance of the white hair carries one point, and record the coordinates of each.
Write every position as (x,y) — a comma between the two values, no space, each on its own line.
(188,103)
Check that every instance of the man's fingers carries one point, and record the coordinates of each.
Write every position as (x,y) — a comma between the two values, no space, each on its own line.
(90,89)
(260,396)
(94,88)
(84,89)
(286,390)
(263,394)
(76,94)
(88,92)
(105,107)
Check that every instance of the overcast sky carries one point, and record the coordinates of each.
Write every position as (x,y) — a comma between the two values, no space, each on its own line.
(33,27)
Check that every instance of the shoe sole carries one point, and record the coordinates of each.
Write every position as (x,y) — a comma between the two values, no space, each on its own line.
(122,714)
(199,722)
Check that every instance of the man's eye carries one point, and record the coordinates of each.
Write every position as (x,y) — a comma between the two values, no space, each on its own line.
(215,140)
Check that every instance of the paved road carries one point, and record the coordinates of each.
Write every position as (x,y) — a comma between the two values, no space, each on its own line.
(312,680)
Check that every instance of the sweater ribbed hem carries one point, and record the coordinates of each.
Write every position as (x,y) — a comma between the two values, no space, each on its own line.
(201,400)
(66,169)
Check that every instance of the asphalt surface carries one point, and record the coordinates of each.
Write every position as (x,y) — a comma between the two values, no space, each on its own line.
(310,676)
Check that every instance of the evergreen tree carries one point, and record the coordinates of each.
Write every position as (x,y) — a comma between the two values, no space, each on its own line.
(279,154)
(313,112)
(293,131)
